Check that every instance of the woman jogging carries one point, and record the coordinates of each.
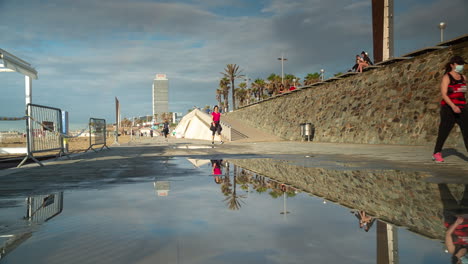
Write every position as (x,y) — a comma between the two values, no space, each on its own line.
(215,126)
(453,105)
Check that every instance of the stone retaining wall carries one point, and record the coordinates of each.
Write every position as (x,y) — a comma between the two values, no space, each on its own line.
(395,104)
(396,197)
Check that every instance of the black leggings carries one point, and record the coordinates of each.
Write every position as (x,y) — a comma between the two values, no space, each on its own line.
(447,120)
(217,128)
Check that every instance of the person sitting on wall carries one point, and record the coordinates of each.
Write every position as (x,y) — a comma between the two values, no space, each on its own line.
(361,64)
(281,89)
(365,221)
(358,59)
(366,58)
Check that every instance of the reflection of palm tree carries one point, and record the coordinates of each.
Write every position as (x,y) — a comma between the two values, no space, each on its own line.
(275,193)
(226,186)
(234,200)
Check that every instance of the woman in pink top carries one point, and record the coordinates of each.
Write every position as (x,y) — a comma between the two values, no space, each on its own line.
(215,126)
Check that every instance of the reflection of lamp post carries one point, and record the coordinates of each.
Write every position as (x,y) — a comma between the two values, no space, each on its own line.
(322,74)
(442,26)
(282,59)
(284,205)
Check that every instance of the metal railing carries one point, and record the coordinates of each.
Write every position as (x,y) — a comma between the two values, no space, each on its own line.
(43,131)
(97,133)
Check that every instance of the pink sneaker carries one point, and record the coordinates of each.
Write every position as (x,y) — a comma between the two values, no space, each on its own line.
(437,157)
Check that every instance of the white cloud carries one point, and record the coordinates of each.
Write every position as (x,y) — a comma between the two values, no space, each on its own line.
(114,48)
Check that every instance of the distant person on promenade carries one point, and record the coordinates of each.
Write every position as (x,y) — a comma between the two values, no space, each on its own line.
(453,105)
(455,220)
(215,125)
(166,128)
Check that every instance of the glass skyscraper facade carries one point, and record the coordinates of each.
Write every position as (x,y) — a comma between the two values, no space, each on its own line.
(160,94)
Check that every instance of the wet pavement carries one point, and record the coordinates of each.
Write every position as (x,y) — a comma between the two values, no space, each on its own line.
(190,202)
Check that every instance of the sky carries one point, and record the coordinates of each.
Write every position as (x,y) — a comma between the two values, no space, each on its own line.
(88,52)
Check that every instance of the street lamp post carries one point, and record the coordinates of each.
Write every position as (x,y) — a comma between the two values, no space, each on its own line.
(282,59)
(322,75)
(442,26)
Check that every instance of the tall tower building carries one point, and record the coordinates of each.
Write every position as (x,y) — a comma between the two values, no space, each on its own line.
(160,94)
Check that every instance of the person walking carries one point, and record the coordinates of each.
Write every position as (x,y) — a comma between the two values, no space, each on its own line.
(453,105)
(215,125)
(166,128)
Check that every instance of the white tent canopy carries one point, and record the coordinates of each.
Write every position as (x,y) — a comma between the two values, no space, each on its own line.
(11,63)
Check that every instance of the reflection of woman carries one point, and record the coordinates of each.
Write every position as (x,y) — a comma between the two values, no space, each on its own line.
(455,220)
(453,105)
(216,170)
(365,221)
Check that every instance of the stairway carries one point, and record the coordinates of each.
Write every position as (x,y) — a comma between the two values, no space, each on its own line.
(244,133)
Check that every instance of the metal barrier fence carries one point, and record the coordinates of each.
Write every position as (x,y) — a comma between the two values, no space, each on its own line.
(44,127)
(97,133)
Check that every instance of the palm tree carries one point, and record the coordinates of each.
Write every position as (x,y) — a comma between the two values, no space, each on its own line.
(259,86)
(289,81)
(232,72)
(241,93)
(273,84)
(312,78)
(224,86)
(219,93)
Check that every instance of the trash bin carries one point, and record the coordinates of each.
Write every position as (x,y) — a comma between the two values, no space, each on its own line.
(307,131)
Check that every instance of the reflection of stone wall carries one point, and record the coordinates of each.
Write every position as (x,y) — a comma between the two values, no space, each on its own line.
(396,104)
(397,197)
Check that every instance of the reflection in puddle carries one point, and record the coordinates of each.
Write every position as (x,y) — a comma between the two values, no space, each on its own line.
(193,147)
(39,209)
(162,188)
(247,211)
(42,208)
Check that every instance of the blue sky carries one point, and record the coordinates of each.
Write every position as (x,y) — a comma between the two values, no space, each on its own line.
(87,52)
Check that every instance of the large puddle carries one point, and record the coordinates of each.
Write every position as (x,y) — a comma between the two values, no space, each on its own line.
(235,211)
